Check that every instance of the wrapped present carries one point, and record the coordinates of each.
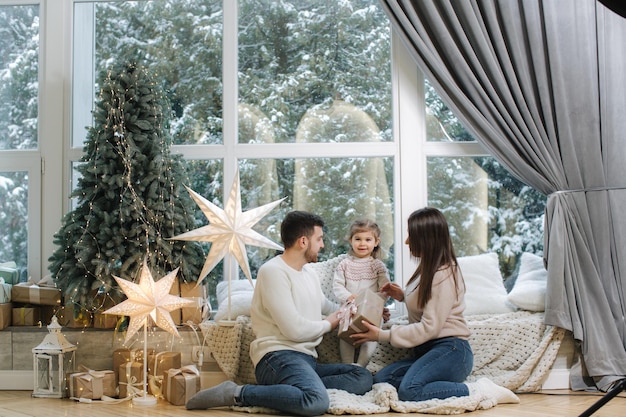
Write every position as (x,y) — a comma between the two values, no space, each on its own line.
(130,379)
(179,385)
(43,292)
(368,306)
(92,385)
(105,321)
(9,272)
(6,315)
(5,291)
(125,355)
(197,311)
(26,315)
(158,363)
(103,301)
(177,315)
(73,316)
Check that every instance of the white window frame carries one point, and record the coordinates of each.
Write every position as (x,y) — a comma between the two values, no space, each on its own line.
(49,199)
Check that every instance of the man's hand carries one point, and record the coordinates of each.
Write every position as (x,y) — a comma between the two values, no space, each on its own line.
(333,319)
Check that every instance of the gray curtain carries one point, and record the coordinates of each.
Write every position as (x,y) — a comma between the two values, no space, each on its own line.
(540,83)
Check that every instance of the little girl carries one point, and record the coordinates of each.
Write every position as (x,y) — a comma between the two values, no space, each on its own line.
(360,269)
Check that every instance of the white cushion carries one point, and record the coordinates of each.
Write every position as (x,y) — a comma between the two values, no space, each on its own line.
(529,291)
(484,286)
(241,292)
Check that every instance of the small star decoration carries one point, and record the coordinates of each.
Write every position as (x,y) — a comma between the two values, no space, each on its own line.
(148,299)
(229,230)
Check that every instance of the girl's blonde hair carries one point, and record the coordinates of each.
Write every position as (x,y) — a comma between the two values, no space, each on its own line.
(365,225)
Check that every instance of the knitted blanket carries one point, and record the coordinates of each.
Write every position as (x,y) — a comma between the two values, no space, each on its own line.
(514,350)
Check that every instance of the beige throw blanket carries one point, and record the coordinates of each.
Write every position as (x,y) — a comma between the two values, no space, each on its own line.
(514,350)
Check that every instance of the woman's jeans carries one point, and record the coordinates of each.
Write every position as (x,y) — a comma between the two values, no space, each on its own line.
(437,369)
(294,383)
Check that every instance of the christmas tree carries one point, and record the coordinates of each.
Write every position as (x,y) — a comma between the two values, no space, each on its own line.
(130,197)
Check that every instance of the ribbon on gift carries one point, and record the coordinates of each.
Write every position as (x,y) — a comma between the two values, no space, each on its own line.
(131,382)
(5,291)
(156,381)
(189,373)
(346,313)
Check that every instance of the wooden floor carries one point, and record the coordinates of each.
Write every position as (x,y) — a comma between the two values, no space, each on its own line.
(551,404)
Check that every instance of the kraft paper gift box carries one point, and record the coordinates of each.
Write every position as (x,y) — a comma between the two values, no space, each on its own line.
(26,316)
(369,307)
(197,293)
(125,355)
(73,316)
(101,320)
(130,379)
(6,315)
(92,385)
(9,272)
(177,315)
(179,385)
(5,291)
(105,321)
(158,363)
(43,292)
(162,361)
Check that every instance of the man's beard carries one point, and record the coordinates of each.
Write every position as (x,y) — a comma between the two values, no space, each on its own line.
(310,256)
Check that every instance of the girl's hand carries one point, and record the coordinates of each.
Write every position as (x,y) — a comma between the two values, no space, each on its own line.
(393,290)
(371,335)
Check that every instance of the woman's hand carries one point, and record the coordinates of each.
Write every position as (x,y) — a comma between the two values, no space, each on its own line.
(393,290)
(371,335)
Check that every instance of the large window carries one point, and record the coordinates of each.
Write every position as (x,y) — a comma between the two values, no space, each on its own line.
(19,124)
(312,100)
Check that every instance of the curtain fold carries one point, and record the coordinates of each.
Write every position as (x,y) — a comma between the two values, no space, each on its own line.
(540,84)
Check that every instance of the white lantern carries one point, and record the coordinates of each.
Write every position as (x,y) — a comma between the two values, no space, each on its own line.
(51,362)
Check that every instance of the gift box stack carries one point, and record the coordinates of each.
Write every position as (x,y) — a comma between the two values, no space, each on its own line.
(196,312)
(34,301)
(128,369)
(165,378)
(9,276)
(369,307)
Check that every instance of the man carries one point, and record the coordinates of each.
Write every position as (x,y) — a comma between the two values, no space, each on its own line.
(287,318)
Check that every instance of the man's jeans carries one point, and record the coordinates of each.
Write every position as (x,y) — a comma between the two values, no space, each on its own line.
(436,370)
(294,383)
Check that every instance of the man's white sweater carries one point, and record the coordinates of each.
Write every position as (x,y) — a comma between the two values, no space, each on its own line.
(287,310)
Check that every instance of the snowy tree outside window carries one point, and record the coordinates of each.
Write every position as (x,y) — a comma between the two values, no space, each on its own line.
(304,109)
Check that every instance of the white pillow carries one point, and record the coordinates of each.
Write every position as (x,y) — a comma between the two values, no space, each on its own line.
(484,286)
(529,291)
(240,299)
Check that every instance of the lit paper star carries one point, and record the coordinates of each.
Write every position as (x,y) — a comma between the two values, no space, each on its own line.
(148,299)
(229,230)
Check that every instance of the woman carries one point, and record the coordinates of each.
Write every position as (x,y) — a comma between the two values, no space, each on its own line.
(434,296)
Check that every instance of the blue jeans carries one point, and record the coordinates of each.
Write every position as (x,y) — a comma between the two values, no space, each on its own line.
(437,369)
(294,383)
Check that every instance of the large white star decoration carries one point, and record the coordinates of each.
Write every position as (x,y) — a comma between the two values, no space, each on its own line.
(229,230)
(148,299)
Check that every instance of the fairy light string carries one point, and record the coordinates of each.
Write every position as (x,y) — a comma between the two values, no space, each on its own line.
(149,204)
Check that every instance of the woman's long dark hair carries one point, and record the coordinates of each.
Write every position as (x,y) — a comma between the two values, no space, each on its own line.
(429,241)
